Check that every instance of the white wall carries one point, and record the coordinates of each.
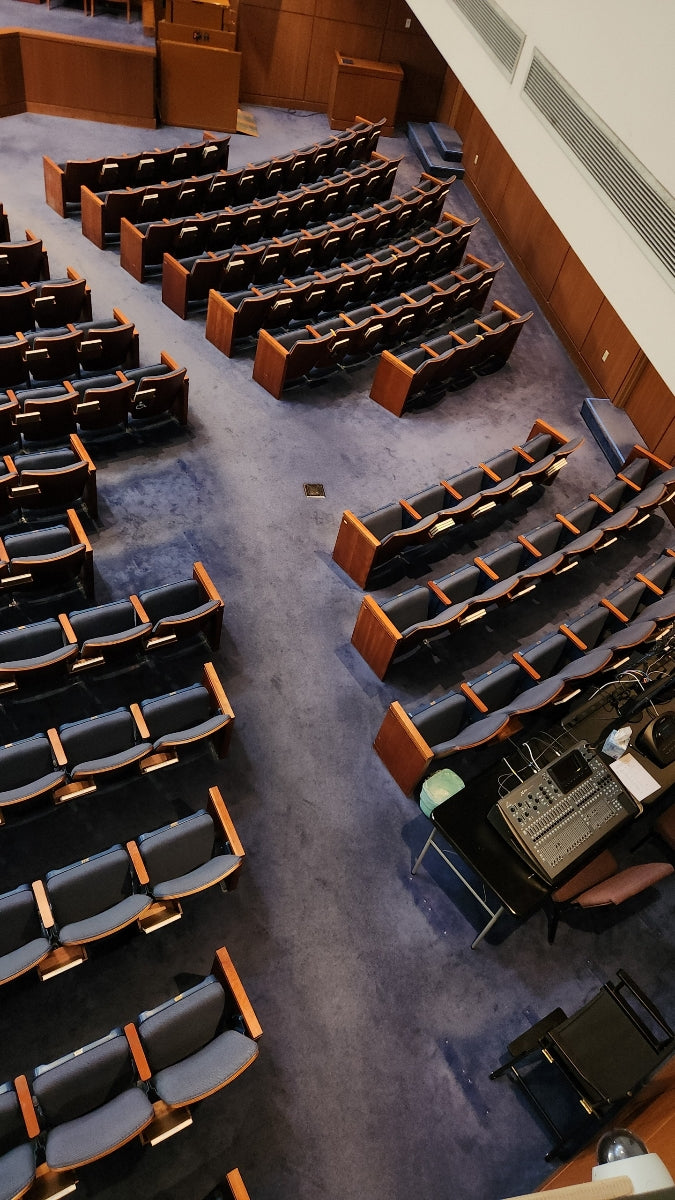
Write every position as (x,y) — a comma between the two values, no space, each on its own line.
(619,57)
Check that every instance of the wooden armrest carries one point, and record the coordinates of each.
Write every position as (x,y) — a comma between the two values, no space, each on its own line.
(505,309)
(522,662)
(452,490)
(139,610)
(471,695)
(218,810)
(237,1185)
(523,453)
(616,612)
(225,967)
(168,361)
(76,529)
(42,901)
(528,545)
(138,864)
(436,591)
(636,487)
(573,637)
(141,724)
(213,685)
(648,583)
(137,1052)
(541,426)
(597,500)
(428,350)
(57,749)
(482,566)
(26,1105)
(80,452)
(489,472)
(410,510)
(568,524)
(67,628)
(643,452)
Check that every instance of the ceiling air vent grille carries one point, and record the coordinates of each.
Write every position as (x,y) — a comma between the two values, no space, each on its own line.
(503,38)
(643,202)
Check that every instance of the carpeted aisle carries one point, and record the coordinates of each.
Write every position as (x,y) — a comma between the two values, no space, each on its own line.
(380,1024)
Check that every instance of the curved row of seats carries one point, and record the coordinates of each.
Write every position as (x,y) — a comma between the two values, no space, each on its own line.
(63,181)
(27,260)
(234,316)
(137,1080)
(73,760)
(187,280)
(550,671)
(44,304)
(49,923)
(72,351)
(53,650)
(452,360)
(130,400)
(364,543)
(512,570)
(144,242)
(47,479)
(317,348)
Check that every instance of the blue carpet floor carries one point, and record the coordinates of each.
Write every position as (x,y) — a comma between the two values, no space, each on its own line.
(380,1023)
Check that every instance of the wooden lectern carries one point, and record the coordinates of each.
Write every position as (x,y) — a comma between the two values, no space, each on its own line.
(365,89)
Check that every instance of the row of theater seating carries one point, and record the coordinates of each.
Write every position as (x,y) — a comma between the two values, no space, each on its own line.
(47,479)
(451,360)
(234,316)
(48,304)
(549,672)
(144,241)
(23,260)
(317,348)
(73,760)
(72,351)
(364,543)
(53,650)
(63,181)
(131,399)
(187,280)
(49,923)
(140,1079)
(385,631)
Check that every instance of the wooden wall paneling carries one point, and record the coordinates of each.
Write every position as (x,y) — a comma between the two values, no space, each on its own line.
(492,173)
(355,12)
(535,237)
(449,98)
(275,48)
(94,80)
(463,110)
(608,336)
(308,7)
(575,298)
(12,93)
(651,408)
(358,41)
(424,70)
(399,13)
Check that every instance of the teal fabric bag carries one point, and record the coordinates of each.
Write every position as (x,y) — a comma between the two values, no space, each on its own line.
(437,788)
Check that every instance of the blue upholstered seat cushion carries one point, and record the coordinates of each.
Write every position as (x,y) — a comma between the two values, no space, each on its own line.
(33,645)
(107,623)
(27,769)
(102,743)
(23,958)
(89,1103)
(100,1132)
(181,716)
(179,848)
(17,1171)
(208,1069)
(93,898)
(35,543)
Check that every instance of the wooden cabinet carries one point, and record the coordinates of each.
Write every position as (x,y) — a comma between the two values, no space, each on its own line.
(363,88)
(199,82)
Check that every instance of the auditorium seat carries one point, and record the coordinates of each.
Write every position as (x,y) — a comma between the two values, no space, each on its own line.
(52,557)
(17,1146)
(196,1043)
(89,1103)
(94,899)
(99,746)
(363,543)
(21,261)
(183,609)
(23,945)
(36,654)
(28,771)
(184,717)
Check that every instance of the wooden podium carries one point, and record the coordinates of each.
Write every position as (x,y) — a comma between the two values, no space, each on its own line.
(199,78)
(365,89)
